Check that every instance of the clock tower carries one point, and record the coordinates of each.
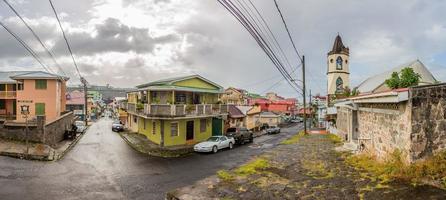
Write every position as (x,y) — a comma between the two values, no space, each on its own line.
(338,71)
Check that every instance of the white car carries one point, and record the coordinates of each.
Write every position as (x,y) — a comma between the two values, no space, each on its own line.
(80,125)
(272,130)
(214,143)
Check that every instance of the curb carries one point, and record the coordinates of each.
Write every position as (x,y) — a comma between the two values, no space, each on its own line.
(153,153)
(71,146)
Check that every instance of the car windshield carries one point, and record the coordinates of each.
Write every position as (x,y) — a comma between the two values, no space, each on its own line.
(116,122)
(213,139)
(232,130)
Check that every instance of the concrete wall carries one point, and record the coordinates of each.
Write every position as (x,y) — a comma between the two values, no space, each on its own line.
(428,120)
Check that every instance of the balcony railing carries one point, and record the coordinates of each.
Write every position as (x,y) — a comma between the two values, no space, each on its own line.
(168,110)
(8,94)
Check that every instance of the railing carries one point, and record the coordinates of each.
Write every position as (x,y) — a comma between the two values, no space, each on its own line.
(168,110)
(8,94)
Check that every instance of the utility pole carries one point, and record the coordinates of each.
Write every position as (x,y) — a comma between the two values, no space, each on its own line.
(311,115)
(84,83)
(304,94)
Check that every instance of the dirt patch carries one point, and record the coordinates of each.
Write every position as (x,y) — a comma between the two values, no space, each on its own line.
(308,168)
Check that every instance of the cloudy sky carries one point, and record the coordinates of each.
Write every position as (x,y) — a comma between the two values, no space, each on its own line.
(129,42)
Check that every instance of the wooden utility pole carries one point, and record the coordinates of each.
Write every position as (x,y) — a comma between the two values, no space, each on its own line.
(84,83)
(311,113)
(304,94)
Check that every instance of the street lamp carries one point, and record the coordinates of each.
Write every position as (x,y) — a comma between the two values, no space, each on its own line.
(25,112)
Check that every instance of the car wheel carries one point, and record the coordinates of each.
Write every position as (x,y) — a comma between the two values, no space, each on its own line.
(214,149)
(230,145)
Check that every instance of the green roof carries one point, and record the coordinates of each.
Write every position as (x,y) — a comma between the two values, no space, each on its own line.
(169,84)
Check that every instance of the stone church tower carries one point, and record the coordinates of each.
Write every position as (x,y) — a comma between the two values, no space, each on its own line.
(338,72)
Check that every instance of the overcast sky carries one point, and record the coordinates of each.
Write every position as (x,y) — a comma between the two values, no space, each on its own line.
(129,42)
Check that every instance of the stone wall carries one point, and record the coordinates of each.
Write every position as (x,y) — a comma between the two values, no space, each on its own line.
(384,129)
(55,130)
(38,131)
(428,120)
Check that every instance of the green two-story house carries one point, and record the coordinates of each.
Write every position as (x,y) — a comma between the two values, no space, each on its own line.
(176,111)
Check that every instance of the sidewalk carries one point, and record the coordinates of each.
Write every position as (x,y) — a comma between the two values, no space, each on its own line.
(303,167)
(141,144)
(37,151)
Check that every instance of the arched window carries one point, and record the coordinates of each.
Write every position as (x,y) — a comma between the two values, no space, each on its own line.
(339,63)
(339,85)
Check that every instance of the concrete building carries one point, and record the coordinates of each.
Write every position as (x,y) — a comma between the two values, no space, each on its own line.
(234,96)
(44,94)
(176,111)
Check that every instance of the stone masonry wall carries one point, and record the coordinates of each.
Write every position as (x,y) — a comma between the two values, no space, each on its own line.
(383,130)
(428,120)
(342,122)
(55,130)
(39,131)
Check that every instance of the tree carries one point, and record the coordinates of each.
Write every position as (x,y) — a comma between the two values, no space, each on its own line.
(406,78)
(347,91)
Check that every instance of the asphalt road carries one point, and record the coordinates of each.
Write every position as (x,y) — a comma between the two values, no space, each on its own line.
(103,166)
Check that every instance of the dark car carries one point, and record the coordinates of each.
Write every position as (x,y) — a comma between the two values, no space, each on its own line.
(240,135)
(117,126)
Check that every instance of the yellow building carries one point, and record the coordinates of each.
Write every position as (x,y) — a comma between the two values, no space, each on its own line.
(176,111)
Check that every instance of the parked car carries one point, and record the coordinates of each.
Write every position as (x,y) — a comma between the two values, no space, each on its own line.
(273,130)
(240,135)
(80,126)
(215,143)
(117,126)
(297,120)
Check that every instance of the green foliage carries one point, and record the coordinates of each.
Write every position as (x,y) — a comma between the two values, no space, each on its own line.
(355,92)
(252,167)
(432,169)
(294,139)
(334,138)
(406,78)
(225,175)
(347,91)
(139,106)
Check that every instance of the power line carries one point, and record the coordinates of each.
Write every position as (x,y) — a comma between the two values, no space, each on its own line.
(287,30)
(66,40)
(35,35)
(248,25)
(26,46)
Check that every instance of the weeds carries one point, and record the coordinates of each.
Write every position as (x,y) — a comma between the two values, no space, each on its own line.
(252,167)
(432,170)
(294,139)
(225,175)
(334,138)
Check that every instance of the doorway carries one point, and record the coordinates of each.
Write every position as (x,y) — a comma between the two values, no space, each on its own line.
(216,126)
(190,130)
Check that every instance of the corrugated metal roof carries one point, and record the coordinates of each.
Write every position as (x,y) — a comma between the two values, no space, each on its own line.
(372,83)
(170,81)
(10,76)
(234,112)
(37,75)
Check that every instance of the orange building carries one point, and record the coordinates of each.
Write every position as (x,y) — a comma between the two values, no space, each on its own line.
(43,92)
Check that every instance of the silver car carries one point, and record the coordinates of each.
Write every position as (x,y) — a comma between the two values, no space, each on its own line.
(215,143)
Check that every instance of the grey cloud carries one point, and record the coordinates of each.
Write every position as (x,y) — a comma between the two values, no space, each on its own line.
(113,36)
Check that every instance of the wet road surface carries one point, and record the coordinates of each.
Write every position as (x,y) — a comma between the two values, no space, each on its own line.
(103,166)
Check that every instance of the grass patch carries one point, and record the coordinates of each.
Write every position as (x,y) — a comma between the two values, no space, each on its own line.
(225,175)
(334,138)
(317,169)
(431,170)
(252,167)
(294,139)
